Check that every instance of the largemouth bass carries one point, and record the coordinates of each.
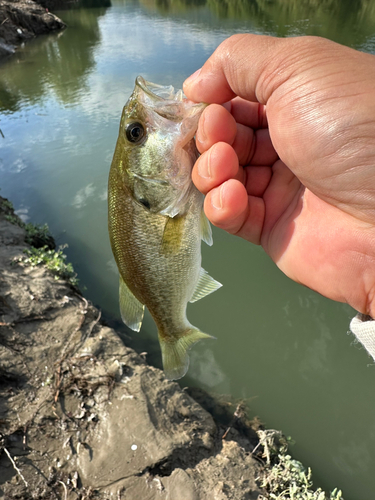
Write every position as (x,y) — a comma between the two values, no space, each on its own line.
(156,218)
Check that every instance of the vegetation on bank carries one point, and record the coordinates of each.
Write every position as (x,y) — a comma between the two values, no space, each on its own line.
(285,478)
(348,23)
(288,479)
(43,248)
(54,260)
(281,477)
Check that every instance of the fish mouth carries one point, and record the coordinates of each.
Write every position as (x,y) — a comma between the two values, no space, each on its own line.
(158,92)
(164,101)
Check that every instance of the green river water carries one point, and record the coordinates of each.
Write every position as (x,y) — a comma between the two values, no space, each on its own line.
(281,347)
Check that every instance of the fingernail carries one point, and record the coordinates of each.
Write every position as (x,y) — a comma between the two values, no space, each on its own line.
(201,134)
(204,166)
(216,198)
(191,78)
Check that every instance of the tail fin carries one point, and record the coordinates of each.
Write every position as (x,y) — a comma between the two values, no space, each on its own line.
(174,352)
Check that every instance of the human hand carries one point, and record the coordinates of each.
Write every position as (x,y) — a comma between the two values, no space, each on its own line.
(289,161)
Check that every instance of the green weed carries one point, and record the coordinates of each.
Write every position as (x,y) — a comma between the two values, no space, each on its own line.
(289,480)
(7,205)
(36,235)
(39,236)
(285,478)
(13,219)
(54,260)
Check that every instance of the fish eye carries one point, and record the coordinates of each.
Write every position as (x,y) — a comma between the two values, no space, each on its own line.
(135,132)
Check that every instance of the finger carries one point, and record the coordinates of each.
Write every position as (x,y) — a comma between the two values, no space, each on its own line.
(253,67)
(254,147)
(257,179)
(215,125)
(223,77)
(220,163)
(216,166)
(251,114)
(230,208)
(280,198)
(218,125)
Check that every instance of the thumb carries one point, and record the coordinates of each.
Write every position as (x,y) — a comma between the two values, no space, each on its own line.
(253,67)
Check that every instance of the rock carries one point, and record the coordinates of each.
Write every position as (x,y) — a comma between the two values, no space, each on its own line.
(83,416)
(21,20)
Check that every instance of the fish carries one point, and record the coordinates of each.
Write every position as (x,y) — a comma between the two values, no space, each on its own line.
(156,220)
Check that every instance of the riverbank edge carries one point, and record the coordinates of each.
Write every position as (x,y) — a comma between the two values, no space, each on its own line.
(93,419)
(67,380)
(21,20)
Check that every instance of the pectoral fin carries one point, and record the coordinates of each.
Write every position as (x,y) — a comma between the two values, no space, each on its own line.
(172,235)
(131,309)
(206,285)
(206,231)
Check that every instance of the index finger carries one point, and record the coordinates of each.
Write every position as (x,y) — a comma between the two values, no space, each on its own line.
(253,67)
(250,114)
(233,69)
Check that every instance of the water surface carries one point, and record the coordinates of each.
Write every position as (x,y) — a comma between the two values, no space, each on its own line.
(283,348)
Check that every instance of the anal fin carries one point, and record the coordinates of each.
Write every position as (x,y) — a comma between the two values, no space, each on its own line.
(131,309)
(206,285)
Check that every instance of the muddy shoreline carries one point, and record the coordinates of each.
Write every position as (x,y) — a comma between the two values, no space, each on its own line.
(83,416)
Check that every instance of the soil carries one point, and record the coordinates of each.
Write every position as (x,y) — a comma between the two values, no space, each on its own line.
(21,20)
(82,416)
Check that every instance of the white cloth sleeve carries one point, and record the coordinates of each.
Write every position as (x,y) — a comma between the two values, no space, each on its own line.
(363,327)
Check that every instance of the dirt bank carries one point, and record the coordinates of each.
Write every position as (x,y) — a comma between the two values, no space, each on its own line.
(21,20)
(82,416)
